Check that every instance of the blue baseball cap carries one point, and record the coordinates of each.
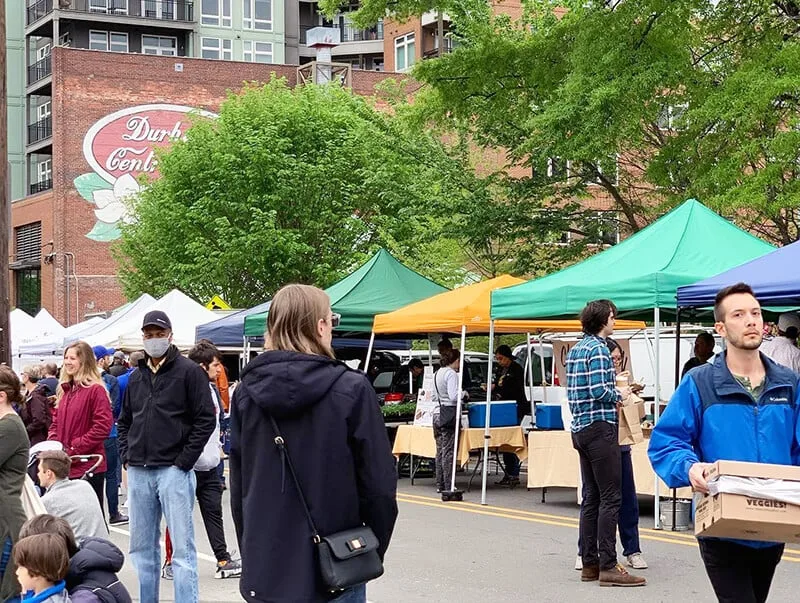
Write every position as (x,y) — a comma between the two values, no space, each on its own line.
(102,351)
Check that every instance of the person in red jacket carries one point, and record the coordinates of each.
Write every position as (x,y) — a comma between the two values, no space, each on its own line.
(83,418)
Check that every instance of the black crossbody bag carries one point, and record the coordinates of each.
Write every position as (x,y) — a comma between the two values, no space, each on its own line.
(347,558)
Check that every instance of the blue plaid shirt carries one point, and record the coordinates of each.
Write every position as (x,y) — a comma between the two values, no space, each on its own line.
(591,383)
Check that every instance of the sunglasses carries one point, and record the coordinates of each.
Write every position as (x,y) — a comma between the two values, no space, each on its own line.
(335,320)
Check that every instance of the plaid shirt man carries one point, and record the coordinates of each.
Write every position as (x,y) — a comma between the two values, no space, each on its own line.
(591,383)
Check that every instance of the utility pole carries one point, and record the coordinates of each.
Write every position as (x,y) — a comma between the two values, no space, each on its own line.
(5,194)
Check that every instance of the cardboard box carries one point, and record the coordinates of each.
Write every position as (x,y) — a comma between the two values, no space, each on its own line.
(747,518)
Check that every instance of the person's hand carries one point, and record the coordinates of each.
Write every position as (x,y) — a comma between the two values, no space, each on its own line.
(624,392)
(697,477)
(636,388)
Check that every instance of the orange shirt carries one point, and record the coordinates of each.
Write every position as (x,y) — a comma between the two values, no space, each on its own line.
(222,386)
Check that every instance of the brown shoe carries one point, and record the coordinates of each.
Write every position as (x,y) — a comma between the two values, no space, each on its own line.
(590,573)
(619,576)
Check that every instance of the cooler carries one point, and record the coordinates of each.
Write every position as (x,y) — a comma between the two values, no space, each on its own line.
(548,416)
(504,414)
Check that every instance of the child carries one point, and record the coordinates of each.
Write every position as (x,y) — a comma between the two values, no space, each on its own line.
(42,563)
(92,574)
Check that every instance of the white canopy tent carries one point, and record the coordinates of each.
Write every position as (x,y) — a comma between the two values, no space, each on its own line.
(126,333)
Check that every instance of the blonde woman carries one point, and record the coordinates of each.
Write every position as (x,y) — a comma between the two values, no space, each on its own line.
(82,419)
(334,434)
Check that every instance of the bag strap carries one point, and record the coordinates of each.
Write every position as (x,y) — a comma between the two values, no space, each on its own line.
(281,444)
(436,387)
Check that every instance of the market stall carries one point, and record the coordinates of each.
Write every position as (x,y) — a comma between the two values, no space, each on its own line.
(640,275)
(465,311)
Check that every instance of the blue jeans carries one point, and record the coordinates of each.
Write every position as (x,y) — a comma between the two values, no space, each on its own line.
(356,594)
(628,523)
(112,480)
(170,490)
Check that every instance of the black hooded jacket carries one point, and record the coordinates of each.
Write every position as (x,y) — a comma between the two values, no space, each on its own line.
(93,573)
(329,418)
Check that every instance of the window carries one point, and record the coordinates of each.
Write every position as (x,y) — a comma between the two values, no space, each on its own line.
(161,45)
(557,169)
(43,52)
(44,111)
(671,117)
(44,171)
(609,168)
(159,9)
(28,289)
(214,48)
(257,52)
(216,12)
(113,7)
(258,14)
(108,40)
(28,242)
(404,52)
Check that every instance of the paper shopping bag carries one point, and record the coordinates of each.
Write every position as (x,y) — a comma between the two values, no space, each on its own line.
(630,427)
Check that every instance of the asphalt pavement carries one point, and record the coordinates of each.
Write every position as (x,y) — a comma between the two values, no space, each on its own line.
(516,548)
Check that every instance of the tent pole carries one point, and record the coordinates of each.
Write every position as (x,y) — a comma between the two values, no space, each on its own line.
(486,434)
(430,351)
(544,377)
(369,352)
(677,346)
(657,408)
(458,406)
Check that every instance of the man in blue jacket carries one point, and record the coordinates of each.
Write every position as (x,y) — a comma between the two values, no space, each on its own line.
(744,407)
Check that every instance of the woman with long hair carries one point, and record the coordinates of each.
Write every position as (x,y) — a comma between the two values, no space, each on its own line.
(82,419)
(14,448)
(334,436)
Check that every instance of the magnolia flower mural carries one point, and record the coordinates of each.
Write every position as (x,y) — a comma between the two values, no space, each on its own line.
(111,203)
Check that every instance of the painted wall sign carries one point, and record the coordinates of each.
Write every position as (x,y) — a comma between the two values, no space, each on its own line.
(119,148)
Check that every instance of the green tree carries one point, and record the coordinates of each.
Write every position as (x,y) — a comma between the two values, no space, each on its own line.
(289,185)
(688,98)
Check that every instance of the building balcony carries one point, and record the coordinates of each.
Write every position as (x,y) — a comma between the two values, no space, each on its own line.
(349,33)
(160,10)
(434,52)
(39,187)
(41,130)
(39,70)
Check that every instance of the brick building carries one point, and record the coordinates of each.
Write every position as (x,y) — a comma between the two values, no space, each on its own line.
(108,111)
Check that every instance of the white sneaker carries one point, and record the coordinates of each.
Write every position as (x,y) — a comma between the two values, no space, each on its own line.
(579,563)
(636,561)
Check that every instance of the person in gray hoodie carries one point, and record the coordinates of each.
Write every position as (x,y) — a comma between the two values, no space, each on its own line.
(74,500)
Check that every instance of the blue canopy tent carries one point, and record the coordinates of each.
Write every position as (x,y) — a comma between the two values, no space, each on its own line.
(772,276)
(228,331)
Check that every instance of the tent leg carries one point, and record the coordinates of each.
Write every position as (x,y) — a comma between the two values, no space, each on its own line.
(486,433)
(657,409)
(542,367)
(369,352)
(458,407)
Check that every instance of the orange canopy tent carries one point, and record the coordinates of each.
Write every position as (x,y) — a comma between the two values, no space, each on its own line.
(469,308)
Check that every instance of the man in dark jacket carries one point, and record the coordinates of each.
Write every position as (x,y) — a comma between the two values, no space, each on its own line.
(335,436)
(167,417)
(509,384)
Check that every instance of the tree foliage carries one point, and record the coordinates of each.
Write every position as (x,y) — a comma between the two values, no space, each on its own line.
(287,186)
(692,98)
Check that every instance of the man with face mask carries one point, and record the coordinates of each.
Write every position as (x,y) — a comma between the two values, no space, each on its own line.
(167,417)
(740,408)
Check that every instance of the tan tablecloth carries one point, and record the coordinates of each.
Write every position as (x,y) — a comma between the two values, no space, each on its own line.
(553,462)
(419,441)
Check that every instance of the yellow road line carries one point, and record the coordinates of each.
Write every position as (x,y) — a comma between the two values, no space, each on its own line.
(554,520)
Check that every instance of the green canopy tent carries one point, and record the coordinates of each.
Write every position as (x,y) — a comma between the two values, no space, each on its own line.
(381,285)
(642,272)
(640,275)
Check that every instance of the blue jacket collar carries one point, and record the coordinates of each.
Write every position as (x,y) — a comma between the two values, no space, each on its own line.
(29,597)
(726,384)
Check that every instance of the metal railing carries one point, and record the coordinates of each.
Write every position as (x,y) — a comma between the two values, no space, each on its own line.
(162,10)
(36,10)
(41,130)
(349,33)
(44,185)
(39,70)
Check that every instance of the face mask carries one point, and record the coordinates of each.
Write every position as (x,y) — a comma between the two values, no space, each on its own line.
(156,347)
